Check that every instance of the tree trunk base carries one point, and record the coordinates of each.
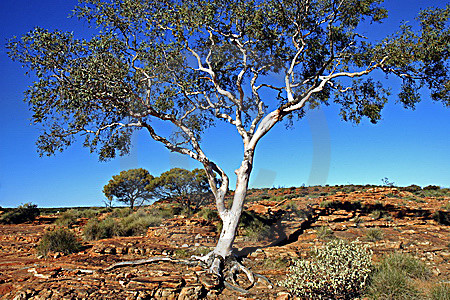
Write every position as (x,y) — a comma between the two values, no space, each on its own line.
(227,270)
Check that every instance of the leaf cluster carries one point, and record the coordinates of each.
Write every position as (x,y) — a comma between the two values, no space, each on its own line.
(192,63)
(130,186)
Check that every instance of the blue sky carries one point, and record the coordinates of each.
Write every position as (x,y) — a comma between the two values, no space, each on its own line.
(408,147)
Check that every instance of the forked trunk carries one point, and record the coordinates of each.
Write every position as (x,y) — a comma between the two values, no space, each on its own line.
(231,220)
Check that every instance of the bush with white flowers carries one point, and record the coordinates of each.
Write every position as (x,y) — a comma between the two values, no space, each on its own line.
(339,270)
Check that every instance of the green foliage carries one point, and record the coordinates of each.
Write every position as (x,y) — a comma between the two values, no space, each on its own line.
(208,214)
(132,224)
(105,87)
(340,270)
(68,218)
(58,240)
(130,186)
(393,276)
(324,232)
(120,212)
(328,204)
(440,291)
(139,222)
(431,188)
(413,188)
(107,228)
(23,213)
(255,227)
(182,186)
(277,263)
(374,234)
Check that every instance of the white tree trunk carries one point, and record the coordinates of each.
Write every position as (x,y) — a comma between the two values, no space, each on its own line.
(231,219)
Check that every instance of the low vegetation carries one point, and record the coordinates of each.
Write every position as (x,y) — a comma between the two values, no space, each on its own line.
(58,240)
(23,213)
(129,224)
(374,234)
(394,276)
(340,270)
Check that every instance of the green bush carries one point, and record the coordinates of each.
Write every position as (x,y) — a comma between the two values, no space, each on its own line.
(121,212)
(340,270)
(139,222)
(107,228)
(393,276)
(411,266)
(208,214)
(68,218)
(440,292)
(23,213)
(374,234)
(58,240)
(254,227)
(133,224)
(413,188)
(431,188)
(324,232)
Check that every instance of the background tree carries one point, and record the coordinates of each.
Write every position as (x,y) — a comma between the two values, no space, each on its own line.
(190,64)
(189,188)
(129,187)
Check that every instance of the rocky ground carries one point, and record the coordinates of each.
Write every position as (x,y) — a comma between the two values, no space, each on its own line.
(387,219)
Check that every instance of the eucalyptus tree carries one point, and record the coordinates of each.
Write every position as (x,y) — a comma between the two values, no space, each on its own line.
(190,64)
(188,188)
(130,187)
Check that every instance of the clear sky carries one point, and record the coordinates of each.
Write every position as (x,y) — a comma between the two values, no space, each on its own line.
(408,147)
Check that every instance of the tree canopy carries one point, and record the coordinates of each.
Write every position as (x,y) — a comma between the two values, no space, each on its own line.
(130,187)
(186,187)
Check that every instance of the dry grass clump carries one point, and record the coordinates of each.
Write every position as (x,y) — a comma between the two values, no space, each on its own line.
(58,240)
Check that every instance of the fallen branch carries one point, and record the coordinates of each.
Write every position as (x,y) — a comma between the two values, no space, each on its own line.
(149,261)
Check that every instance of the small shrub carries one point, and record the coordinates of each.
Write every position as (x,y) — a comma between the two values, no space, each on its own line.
(208,214)
(254,227)
(58,240)
(107,228)
(88,213)
(139,222)
(68,218)
(121,212)
(182,253)
(442,217)
(391,284)
(374,234)
(393,276)
(202,251)
(163,212)
(413,267)
(431,188)
(277,263)
(440,292)
(338,271)
(23,213)
(259,232)
(413,188)
(376,214)
(329,204)
(324,233)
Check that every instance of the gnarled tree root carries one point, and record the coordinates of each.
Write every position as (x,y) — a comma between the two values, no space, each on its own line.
(226,269)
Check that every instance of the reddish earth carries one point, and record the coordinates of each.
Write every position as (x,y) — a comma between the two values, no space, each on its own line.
(408,224)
